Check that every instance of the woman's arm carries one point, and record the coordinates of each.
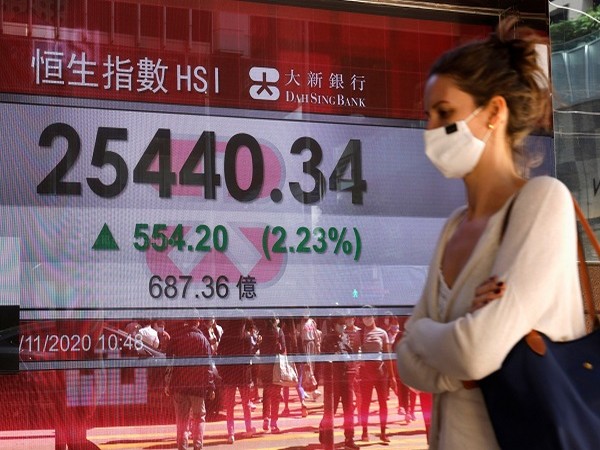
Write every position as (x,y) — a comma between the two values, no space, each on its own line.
(281,339)
(536,261)
(413,371)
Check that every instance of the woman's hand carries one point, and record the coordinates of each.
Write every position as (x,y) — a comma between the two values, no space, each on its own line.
(490,290)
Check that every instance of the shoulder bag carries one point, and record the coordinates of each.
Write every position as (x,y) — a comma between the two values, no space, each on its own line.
(546,395)
(284,373)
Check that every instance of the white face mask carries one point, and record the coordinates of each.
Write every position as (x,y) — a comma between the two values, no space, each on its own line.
(453,149)
(368,321)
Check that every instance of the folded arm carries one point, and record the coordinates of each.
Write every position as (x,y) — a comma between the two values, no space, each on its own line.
(539,247)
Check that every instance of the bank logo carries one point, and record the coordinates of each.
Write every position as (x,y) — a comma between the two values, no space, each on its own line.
(265,86)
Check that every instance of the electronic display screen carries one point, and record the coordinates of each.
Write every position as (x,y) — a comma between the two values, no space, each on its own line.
(219,159)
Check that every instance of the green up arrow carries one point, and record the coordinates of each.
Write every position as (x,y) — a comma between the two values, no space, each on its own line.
(105,240)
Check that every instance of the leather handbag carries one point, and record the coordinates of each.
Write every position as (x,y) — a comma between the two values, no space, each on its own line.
(546,395)
(284,373)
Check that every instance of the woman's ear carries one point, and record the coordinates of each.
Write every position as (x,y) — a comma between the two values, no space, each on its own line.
(497,110)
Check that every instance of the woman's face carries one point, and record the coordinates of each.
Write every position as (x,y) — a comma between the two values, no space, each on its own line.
(368,321)
(445,104)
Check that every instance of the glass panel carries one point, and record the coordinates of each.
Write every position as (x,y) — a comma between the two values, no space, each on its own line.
(576,62)
(575,50)
(593,50)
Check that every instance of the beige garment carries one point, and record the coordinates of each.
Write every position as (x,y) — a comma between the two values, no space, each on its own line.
(537,261)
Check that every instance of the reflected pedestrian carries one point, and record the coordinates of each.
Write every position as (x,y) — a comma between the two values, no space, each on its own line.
(375,373)
(311,342)
(149,335)
(407,397)
(255,339)
(354,334)
(272,343)
(338,377)
(213,332)
(288,326)
(163,336)
(235,342)
(189,385)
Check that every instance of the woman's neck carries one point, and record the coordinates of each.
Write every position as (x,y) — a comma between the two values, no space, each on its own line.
(487,194)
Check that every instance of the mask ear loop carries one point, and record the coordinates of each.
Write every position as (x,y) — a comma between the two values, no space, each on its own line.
(473,114)
(490,125)
(491,128)
(487,136)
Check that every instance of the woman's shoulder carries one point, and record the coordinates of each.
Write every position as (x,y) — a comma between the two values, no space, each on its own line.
(545,198)
(545,186)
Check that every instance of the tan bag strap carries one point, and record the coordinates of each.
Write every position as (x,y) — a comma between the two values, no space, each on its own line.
(584,275)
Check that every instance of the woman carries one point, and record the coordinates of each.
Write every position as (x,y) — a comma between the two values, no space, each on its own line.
(272,343)
(407,397)
(338,376)
(375,372)
(310,336)
(254,339)
(235,341)
(290,332)
(488,287)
